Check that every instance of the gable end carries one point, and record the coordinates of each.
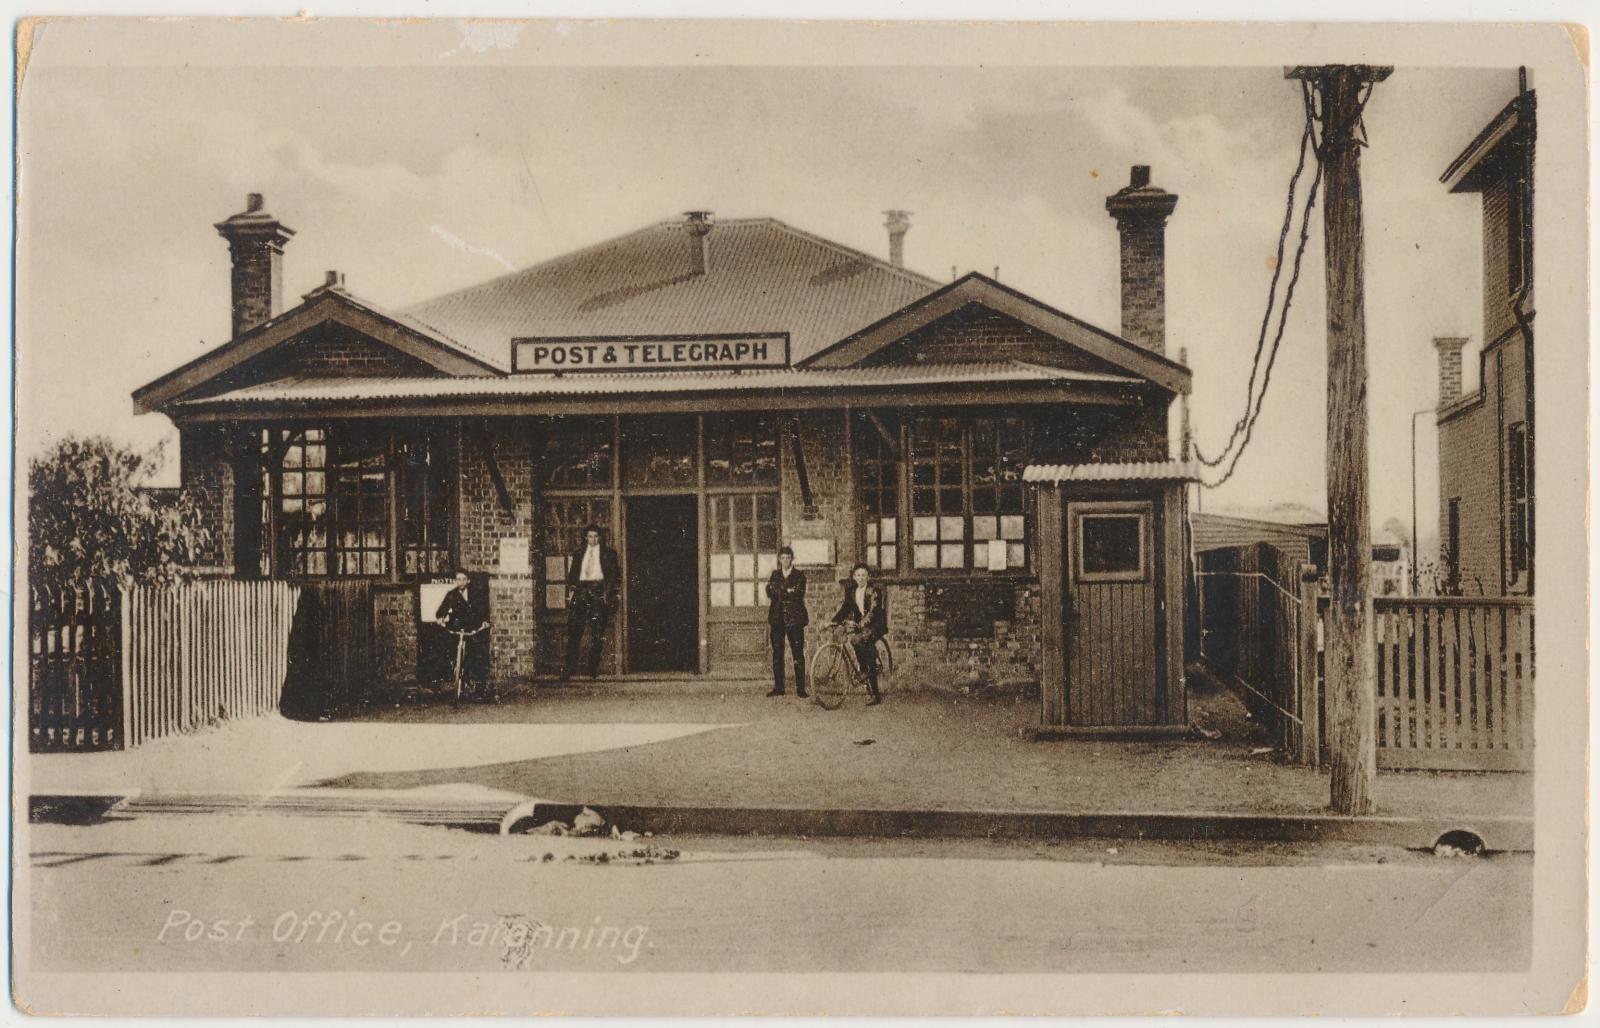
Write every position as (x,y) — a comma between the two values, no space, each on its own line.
(976,332)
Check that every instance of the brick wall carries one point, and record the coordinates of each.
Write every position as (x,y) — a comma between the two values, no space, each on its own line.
(977,333)
(484,523)
(394,629)
(205,471)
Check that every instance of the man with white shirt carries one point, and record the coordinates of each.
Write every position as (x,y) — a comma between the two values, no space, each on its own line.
(592,581)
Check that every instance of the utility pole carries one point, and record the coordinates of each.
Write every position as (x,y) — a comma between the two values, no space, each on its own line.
(1351,696)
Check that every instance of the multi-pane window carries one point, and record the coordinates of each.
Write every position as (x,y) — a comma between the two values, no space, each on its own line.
(302,517)
(658,451)
(880,491)
(359,474)
(999,534)
(329,495)
(1517,497)
(565,519)
(966,509)
(938,508)
(578,452)
(427,483)
(741,450)
(744,548)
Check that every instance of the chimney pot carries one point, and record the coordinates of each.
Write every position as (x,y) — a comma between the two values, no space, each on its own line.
(255,242)
(335,278)
(1449,348)
(699,225)
(1141,211)
(898,223)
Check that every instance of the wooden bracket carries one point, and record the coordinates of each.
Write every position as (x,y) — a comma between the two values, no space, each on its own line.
(480,434)
(810,508)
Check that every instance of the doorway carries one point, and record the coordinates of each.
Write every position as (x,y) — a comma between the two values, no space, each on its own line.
(663,606)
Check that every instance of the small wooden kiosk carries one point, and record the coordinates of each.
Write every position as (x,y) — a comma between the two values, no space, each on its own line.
(1111,590)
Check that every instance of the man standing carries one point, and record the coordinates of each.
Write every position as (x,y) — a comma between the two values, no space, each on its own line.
(786,619)
(592,581)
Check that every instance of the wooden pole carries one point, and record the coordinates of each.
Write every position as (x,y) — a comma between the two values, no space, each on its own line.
(1351,695)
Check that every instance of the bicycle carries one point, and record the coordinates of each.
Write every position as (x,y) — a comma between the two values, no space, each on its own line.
(835,671)
(461,661)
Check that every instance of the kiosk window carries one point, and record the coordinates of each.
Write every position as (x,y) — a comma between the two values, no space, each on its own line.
(1111,547)
(967,498)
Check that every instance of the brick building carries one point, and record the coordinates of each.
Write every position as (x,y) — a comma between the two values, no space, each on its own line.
(706,391)
(1486,445)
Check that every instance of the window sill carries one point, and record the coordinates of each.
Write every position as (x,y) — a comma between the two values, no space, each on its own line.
(945,577)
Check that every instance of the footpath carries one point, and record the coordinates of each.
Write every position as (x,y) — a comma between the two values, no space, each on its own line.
(726,759)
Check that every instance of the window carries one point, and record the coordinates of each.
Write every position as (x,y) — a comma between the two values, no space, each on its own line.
(744,548)
(1452,545)
(427,482)
(329,497)
(578,452)
(565,519)
(880,491)
(658,451)
(1111,547)
(966,508)
(1519,555)
(742,450)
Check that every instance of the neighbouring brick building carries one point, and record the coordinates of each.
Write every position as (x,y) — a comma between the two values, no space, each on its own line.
(707,391)
(1486,447)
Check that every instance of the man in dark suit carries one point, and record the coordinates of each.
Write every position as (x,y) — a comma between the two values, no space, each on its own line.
(787,618)
(863,608)
(592,583)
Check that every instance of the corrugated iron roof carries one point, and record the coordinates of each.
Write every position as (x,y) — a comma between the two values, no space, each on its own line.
(764,276)
(1136,471)
(305,389)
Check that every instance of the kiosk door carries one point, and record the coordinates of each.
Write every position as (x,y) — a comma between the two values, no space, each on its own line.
(663,589)
(1113,665)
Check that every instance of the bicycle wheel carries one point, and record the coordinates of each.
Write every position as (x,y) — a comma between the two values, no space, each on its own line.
(830,676)
(885,664)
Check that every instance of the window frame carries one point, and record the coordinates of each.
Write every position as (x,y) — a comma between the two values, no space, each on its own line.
(273,557)
(904,459)
(1139,510)
(1518,549)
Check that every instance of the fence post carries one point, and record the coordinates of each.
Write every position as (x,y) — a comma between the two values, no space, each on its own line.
(1306,669)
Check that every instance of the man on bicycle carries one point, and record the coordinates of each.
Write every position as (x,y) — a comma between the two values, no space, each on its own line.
(863,609)
(460,613)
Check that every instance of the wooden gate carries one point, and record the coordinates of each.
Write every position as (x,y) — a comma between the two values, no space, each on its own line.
(333,665)
(74,668)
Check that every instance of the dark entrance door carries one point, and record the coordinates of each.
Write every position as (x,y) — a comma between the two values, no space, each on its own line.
(663,591)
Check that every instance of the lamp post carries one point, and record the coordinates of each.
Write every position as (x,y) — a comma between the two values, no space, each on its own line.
(1415,548)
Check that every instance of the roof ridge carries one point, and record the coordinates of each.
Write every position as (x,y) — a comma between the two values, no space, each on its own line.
(828,244)
(535,266)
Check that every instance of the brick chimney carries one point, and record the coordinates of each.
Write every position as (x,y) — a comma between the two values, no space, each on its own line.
(1449,348)
(255,239)
(898,223)
(1141,211)
(699,225)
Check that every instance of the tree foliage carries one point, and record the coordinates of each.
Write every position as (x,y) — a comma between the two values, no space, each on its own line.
(89,520)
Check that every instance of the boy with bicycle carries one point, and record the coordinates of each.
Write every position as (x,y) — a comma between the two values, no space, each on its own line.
(862,608)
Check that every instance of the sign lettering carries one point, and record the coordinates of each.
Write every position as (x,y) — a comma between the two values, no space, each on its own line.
(661,353)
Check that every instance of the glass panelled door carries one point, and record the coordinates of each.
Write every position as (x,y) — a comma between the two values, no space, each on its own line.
(742,526)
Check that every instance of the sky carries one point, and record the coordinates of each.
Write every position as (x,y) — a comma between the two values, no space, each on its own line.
(420,178)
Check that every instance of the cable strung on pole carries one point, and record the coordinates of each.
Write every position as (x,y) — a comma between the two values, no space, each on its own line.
(1272,295)
(1245,428)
